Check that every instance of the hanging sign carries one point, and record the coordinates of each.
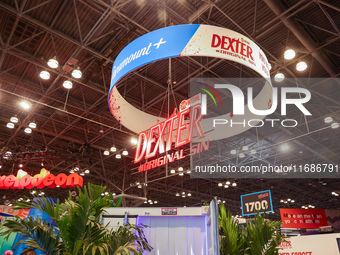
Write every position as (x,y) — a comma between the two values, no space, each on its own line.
(256,202)
(8,210)
(41,180)
(185,40)
(303,218)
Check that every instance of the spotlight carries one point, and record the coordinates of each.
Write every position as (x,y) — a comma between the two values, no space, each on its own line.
(289,54)
(113,149)
(25,105)
(301,66)
(284,147)
(327,120)
(76,73)
(134,140)
(14,119)
(335,125)
(118,156)
(106,153)
(32,125)
(279,77)
(53,63)
(44,75)
(125,152)
(10,125)
(28,130)
(67,84)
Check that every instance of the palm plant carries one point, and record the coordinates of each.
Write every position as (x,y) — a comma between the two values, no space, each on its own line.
(260,237)
(78,228)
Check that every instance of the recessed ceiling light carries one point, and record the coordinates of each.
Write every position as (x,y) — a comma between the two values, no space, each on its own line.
(44,75)
(289,54)
(301,66)
(279,77)
(67,84)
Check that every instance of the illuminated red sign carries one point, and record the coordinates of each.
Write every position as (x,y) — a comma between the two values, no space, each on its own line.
(303,218)
(175,132)
(41,180)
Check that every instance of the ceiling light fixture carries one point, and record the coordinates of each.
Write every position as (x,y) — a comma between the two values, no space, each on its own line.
(172,171)
(228,183)
(289,54)
(25,105)
(87,171)
(234,184)
(327,120)
(279,77)
(241,155)
(32,125)
(301,66)
(188,171)
(10,125)
(181,174)
(76,73)
(14,119)
(220,184)
(253,151)
(67,84)
(233,152)
(44,75)
(335,125)
(113,148)
(82,174)
(53,62)
(245,148)
(180,169)
(177,194)
(118,156)
(134,140)
(284,147)
(106,152)
(28,130)
(226,186)
(125,152)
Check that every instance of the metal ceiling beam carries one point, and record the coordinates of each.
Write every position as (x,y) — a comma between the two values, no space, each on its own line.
(302,36)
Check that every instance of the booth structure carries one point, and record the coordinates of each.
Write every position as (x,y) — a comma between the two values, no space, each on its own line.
(172,231)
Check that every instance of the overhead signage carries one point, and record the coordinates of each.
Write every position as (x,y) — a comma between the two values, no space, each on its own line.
(8,210)
(169,211)
(303,218)
(185,40)
(258,202)
(41,180)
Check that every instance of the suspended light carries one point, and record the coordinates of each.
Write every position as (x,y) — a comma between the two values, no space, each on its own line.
(113,194)
(189,194)
(10,125)
(67,84)
(180,169)
(269,66)
(82,174)
(145,202)
(44,75)
(335,125)
(220,184)
(241,155)
(42,164)
(106,193)
(177,194)
(118,156)
(181,174)
(134,140)
(139,186)
(292,201)
(102,194)
(281,200)
(25,105)
(279,77)
(32,125)
(234,184)
(71,171)
(288,199)
(253,151)
(284,147)
(327,119)
(28,130)
(183,196)
(245,148)
(172,171)
(226,186)
(125,152)
(289,54)
(113,149)
(21,165)
(76,73)
(301,66)
(155,202)
(14,119)
(53,63)
(233,152)
(76,168)
(228,183)
(87,171)
(106,153)
(188,171)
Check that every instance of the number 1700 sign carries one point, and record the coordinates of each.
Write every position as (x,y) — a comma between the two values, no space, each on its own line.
(256,202)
